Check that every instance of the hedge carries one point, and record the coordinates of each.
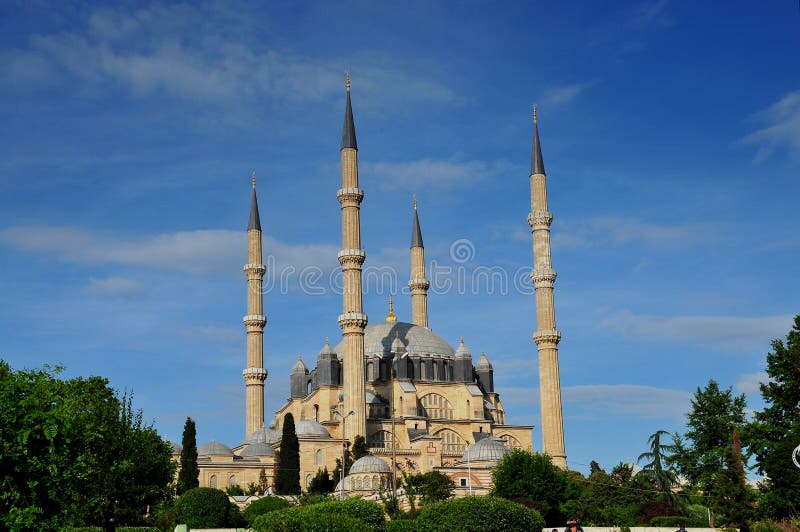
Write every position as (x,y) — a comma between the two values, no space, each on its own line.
(478,514)
(263,506)
(352,515)
(207,508)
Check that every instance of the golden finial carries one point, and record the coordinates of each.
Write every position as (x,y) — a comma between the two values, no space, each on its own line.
(347,80)
(415,202)
(254,180)
(534,113)
(391,318)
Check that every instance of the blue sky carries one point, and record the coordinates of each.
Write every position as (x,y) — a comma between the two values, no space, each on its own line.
(671,138)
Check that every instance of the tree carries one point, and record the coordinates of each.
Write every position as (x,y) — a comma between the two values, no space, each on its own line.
(207,508)
(189,475)
(701,454)
(663,478)
(262,481)
(360,448)
(775,431)
(523,476)
(322,482)
(431,487)
(287,481)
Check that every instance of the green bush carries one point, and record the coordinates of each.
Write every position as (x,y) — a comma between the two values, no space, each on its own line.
(308,498)
(478,514)
(206,508)
(368,512)
(305,520)
(262,506)
(667,520)
(119,529)
(400,525)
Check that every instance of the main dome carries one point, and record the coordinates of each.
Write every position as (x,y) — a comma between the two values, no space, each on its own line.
(418,340)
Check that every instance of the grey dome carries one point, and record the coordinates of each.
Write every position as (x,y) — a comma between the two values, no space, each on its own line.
(264,435)
(418,340)
(483,363)
(257,449)
(463,350)
(214,448)
(369,464)
(299,367)
(327,350)
(176,449)
(485,450)
(311,429)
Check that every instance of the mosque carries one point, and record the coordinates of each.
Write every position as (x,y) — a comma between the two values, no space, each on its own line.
(420,403)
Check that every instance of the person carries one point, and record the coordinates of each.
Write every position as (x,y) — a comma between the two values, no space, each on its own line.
(682,526)
(572,525)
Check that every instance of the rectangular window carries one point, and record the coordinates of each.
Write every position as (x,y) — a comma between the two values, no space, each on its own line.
(463,482)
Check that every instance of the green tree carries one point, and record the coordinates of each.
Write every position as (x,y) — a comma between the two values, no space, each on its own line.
(731,497)
(701,454)
(322,482)
(262,481)
(531,478)
(775,430)
(430,487)
(189,474)
(656,469)
(287,481)
(360,448)
(207,508)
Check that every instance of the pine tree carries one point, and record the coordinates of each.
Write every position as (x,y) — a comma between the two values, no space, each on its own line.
(262,481)
(775,431)
(189,475)
(287,481)
(360,448)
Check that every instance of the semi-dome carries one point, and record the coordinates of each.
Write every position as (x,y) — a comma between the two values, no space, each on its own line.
(418,340)
(264,435)
(214,448)
(257,449)
(486,450)
(369,464)
(311,429)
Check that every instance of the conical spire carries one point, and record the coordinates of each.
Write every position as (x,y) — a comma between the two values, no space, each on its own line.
(483,363)
(299,366)
(349,129)
(537,165)
(255,220)
(463,350)
(416,233)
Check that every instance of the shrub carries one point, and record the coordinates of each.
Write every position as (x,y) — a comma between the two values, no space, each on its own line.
(305,520)
(262,506)
(667,520)
(478,514)
(366,511)
(308,499)
(206,508)
(402,525)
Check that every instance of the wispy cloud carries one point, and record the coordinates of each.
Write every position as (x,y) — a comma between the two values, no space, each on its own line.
(729,333)
(619,231)
(112,286)
(629,399)
(432,173)
(563,94)
(781,127)
(751,382)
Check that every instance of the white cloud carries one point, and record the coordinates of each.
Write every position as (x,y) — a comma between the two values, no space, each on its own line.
(619,231)
(729,333)
(781,127)
(563,94)
(112,286)
(629,399)
(432,173)
(751,382)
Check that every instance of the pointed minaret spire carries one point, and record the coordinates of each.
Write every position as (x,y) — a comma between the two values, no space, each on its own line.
(537,164)
(391,317)
(546,335)
(255,219)
(349,129)
(418,283)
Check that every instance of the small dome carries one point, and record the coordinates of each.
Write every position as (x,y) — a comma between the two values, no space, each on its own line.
(311,429)
(299,367)
(264,435)
(486,450)
(176,449)
(214,448)
(463,351)
(369,464)
(327,350)
(257,449)
(483,363)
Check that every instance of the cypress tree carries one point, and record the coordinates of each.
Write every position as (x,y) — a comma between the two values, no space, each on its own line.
(287,481)
(189,475)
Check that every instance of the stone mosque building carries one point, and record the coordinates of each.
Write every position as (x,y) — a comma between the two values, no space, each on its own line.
(421,404)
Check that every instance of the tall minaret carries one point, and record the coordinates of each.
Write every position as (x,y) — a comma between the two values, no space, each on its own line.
(418,283)
(351,257)
(254,374)
(546,336)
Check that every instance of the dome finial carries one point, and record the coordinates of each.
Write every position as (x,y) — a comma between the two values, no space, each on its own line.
(534,113)
(347,80)
(254,180)
(415,202)
(391,317)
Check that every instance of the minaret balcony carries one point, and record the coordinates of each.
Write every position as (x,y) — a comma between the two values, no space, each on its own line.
(255,374)
(352,256)
(256,268)
(543,277)
(540,219)
(254,321)
(350,320)
(550,336)
(419,284)
(350,195)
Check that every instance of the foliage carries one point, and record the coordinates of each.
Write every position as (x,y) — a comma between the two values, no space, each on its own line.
(478,514)
(360,448)
(667,521)
(352,515)
(308,498)
(73,453)
(262,481)
(287,481)
(206,508)
(663,477)
(775,430)
(189,474)
(322,482)
(263,506)
(522,475)
(431,487)
(234,489)
(252,489)
(400,525)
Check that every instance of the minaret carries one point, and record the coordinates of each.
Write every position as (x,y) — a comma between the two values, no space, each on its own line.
(351,257)
(546,335)
(418,283)
(254,374)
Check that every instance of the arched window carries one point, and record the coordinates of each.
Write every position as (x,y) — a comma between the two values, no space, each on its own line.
(510,441)
(435,406)
(375,482)
(319,457)
(366,483)
(232,481)
(452,443)
(308,387)
(410,369)
(212,482)
(435,375)
(308,480)
(316,413)
(381,439)
(358,483)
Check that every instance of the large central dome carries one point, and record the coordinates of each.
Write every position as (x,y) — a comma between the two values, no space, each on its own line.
(418,340)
